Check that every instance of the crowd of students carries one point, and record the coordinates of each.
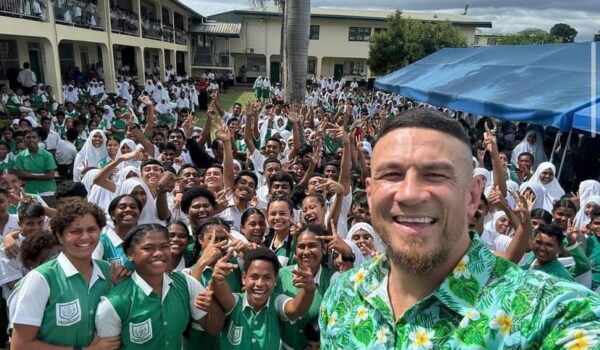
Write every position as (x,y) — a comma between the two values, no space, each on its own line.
(169,235)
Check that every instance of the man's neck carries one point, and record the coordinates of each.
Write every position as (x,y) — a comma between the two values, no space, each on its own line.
(406,289)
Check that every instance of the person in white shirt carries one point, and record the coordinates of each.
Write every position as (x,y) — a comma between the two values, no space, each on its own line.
(66,153)
(26,78)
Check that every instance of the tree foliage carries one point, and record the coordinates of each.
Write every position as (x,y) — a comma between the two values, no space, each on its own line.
(564,32)
(530,36)
(407,40)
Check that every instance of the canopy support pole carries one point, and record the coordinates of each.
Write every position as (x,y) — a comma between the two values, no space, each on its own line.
(554,146)
(562,160)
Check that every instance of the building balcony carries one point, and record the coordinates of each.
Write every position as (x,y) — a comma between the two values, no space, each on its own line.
(124,22)
(168,33)
(151,29)
(181,37)
(77,13)
(207,60)
(33,9)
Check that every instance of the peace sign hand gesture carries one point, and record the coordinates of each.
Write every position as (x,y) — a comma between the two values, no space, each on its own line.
(223,268)
(335,242)
(303,277)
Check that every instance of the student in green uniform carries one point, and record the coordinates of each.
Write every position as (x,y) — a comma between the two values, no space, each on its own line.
(593,246)
(211,244)
(152,308)
(124,210)
(56,302)
(179,238)
(6,161)
(279,239)
(546,246)
(310,250)
(254,316)
(36,166)
(563,213)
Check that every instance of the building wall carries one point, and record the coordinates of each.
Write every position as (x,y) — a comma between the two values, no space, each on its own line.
(261,37)
(49,35)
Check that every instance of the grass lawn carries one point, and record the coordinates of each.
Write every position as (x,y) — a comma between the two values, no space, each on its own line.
(227,99)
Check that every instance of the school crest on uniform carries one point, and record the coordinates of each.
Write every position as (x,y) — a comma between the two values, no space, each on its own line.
(68,313)
(139,333)
(234,335)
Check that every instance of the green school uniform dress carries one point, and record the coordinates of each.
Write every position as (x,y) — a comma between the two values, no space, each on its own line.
(246,329)
(555,268)
(56,298)
(286,251)
(111,247)
(146,320)
(198,338)
(593,253)
(292,334)
(40,162)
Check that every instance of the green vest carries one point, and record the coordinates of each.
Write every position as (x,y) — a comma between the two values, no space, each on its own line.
(198,338)
(245,329)
(70,312)
(147,322)
(292,334)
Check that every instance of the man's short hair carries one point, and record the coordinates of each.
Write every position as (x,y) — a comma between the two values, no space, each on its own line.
(71,189)
(526,154)
(281,176)
(31,211)
(553,231)
(271,160)
(427,119)
(248,173)
(169,147)
(264,254)
(594,213)
(193,193)
(150,162)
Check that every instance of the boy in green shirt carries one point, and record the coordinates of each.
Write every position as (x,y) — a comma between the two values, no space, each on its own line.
(593,246)
(5,159)
(36,166)
(546,246)
(253,317)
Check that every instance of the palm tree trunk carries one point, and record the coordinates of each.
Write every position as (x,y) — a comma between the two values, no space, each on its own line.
(295,58)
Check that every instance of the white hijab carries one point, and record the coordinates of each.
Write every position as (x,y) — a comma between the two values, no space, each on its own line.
(587,190)
(358,256)
(553,189)
(149,214)
(541,199)
(496,241)
(131,144)
(89,155)
(537,149)
(258,82)
(377,242)
(485,173)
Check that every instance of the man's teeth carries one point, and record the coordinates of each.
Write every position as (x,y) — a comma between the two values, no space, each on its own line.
(414,220)
(86,245)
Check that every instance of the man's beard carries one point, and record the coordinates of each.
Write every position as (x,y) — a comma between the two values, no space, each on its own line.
(412,259)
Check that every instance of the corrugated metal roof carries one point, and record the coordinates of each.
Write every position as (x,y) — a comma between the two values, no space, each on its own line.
(217,28)
(371,15)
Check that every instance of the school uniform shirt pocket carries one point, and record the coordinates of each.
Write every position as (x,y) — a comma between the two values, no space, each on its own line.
(234,335)
(140,333)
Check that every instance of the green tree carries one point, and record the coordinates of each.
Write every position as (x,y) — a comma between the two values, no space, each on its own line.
(564,32)
(407,40)
(530,36)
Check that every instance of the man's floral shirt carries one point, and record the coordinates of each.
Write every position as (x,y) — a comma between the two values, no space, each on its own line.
(486,303)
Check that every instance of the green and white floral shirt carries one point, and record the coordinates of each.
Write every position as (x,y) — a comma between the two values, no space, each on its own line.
(486,303)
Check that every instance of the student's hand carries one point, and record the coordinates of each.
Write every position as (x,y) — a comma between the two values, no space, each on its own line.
(335,241)
(108,343)
(303,277)
(188,126)
(239,246)
(146,101)
(167,182)
(223,268)
(204,299)
(496,198)
(295,227)
(489,140)
(136,154)
(118,273)
(521,209)
(221,199)
(572,233)
(10,244)
(212,252)
(223,134)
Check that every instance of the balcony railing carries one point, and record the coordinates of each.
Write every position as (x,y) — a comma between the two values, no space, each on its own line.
(168,33)
(32,9)
(77,13)
(181,37)
(223,60)
(151,29)
(124,22)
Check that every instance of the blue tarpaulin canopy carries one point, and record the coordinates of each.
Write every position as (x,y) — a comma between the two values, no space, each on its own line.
(538,84)
(582,119)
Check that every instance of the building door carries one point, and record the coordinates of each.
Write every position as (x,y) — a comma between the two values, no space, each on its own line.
(275,72)
(35,61)
(338,71)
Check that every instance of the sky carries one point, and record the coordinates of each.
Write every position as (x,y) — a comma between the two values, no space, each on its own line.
(507,16)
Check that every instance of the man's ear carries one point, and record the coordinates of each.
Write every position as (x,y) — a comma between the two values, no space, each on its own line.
(473,195)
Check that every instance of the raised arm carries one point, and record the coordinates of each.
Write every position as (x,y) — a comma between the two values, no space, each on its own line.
(303,280)
(103,178)
(499,171)
(221,288)
(293,118)
(248,137)
(224,135)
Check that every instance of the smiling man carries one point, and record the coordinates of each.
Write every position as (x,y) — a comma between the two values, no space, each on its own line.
(436,286)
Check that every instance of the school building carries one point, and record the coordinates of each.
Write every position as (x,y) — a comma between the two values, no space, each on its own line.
(339,39)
